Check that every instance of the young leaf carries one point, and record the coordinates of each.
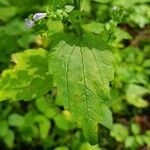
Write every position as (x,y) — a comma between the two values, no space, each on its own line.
(82,72)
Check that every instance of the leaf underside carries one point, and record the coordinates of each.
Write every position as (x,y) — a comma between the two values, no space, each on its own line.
(82,73)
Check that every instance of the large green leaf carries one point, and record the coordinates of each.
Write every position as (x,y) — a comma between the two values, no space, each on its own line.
(82,72)
(29,78)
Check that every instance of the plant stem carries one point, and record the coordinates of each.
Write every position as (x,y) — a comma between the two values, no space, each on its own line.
(77,4)
(78,27)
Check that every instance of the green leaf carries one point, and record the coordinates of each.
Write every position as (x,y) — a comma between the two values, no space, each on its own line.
(82,72)
(61,122)
(30,77)
(146,63)
(102,1)
(128,3)
(3,128)
(87,146)
(45,108)
(121,35)
(69,8)
(139,140)
(44,125)
(61,148)
(135,128)
(119,136)
(94,27)
(146,138)
(15,120)
(129,142)
(134,95)
(7,13)
(9,139)
(54,26)
(62,3)
(42,104)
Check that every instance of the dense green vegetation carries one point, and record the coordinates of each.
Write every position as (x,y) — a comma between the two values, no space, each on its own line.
(76,76)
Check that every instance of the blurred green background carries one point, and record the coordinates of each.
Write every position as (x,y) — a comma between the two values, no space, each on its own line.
(40,123)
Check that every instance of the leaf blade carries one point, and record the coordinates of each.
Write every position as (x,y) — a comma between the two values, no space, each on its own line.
(82,76)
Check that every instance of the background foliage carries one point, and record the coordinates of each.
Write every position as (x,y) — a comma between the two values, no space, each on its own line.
(42,123)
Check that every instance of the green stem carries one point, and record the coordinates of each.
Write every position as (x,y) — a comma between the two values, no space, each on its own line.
(77,4)
(78,27)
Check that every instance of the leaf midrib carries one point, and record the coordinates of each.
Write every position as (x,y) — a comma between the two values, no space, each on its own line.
(85,92)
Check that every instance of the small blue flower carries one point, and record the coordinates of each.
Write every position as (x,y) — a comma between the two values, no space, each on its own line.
(29,23)
(39,16)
